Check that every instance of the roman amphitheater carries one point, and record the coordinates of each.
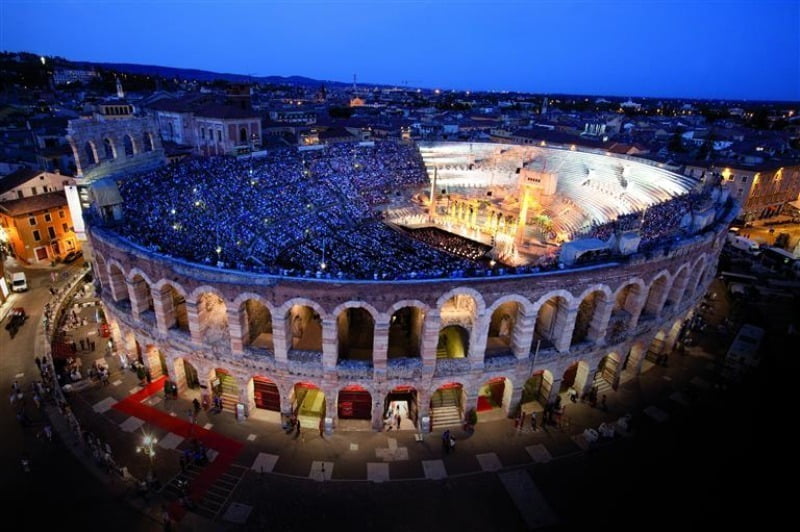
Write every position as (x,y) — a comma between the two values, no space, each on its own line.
(346,283)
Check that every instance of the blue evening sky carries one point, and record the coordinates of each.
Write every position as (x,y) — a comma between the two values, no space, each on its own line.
(748,49)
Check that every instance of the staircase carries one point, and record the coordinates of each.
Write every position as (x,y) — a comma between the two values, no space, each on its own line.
(601,384)
(230,392)
(446,408)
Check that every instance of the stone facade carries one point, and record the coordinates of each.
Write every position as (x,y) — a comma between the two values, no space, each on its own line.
(514,326)
(114,147)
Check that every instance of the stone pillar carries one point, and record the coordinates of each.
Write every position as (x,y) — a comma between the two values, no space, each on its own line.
(165,310)
(512,396)
(469,399)
(636,311)
(246,395)
(152,361)
(554,389)
(477,340)
(280,339)
(377,413)
(138,292)
(331,410)
(237,328)
(522,335)
(677,289)
(424,411)
(119,289)
(380,348)
(179,375)
(598,327)
(286,402)
(329,347)
(430,338)
(584,378)
(565,324)
(194,321)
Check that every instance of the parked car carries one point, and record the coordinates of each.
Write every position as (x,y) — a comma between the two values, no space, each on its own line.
(72,256)
(19,282)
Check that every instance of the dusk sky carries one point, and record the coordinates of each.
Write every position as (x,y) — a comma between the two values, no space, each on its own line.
(747,49)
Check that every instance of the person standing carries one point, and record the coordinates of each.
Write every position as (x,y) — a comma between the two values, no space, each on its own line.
(446,441)
(397,419)
(533,421)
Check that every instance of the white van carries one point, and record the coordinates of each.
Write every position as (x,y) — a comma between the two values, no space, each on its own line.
(743,243)
(19,282)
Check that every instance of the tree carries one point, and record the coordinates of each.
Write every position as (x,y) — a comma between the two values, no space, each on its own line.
(676,143)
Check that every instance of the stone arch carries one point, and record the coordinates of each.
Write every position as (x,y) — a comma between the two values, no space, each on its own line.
(255,314)
(627,305)
(173,297)
(266,394)
(212,315)
(608,369)
(129,146)
(552,312)
(109,149)
(698,267)
(578,376)
(90,152)
(503,321)
(679,282)
(354,402)
(447,405)
(453,342)
(355,326)
(309,404)
(494,395)
(590,316)
(147,141)
(656,295)
(476,297)
(116,277)
(405,331)
(140,292)
(536,389)
(100,270)
(303,321)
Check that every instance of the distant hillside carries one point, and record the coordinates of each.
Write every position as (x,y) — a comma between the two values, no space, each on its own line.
(205,75)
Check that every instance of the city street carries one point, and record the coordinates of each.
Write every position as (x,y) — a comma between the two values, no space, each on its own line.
(58,489)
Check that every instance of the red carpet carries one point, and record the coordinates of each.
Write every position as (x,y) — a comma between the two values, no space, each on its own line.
(484,403)
(227,448)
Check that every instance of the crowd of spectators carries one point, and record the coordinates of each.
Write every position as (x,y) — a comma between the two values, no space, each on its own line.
(313,213)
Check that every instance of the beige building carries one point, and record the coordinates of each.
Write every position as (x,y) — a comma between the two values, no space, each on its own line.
(226,130)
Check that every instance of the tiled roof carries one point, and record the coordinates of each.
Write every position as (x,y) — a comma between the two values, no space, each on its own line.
(41,202)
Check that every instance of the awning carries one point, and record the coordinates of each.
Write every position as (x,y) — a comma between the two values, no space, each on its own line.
(105,192)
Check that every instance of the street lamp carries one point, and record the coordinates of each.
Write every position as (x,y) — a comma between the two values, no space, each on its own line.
(147,448)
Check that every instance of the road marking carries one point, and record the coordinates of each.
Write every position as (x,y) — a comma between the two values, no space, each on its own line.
(489,461)
(532,506)
(170,441)
(434,469)
(321,470)
(377,471)
(131,424)
(539,453)
(264,463)
(104,406)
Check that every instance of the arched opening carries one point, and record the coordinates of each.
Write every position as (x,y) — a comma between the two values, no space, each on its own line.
(405,333)
(655,350)
(401,400)
(266,394)
(90,153)
(354,403)
(453,342)
(356,330)
(494,397)
(654,297)
(622,314)
(179,318)
(100,270)
(501,329)
(127,142)
(243,136)
(678,287)
(588,313)
(697,276)
(305,328)
(110,150)
(576,376)
(144,297)
(147,142)
(171,129)
(119,290)
(551,314)
(190,374)
(225,387)
(212,316)
(633,361)
(446,406)
(258,322)
(461,308)
(606,375)
(308,404)
(536,392)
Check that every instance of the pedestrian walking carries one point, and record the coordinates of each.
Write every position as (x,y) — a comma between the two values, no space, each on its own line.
(297,427)
(397,419)
(533,421)
(603,405)
(83,346)
(38,363)
(446,441)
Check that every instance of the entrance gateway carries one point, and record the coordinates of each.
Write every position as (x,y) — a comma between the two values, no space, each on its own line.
(402,400)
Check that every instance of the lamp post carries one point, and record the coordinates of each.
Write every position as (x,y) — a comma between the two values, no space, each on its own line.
(147,448)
